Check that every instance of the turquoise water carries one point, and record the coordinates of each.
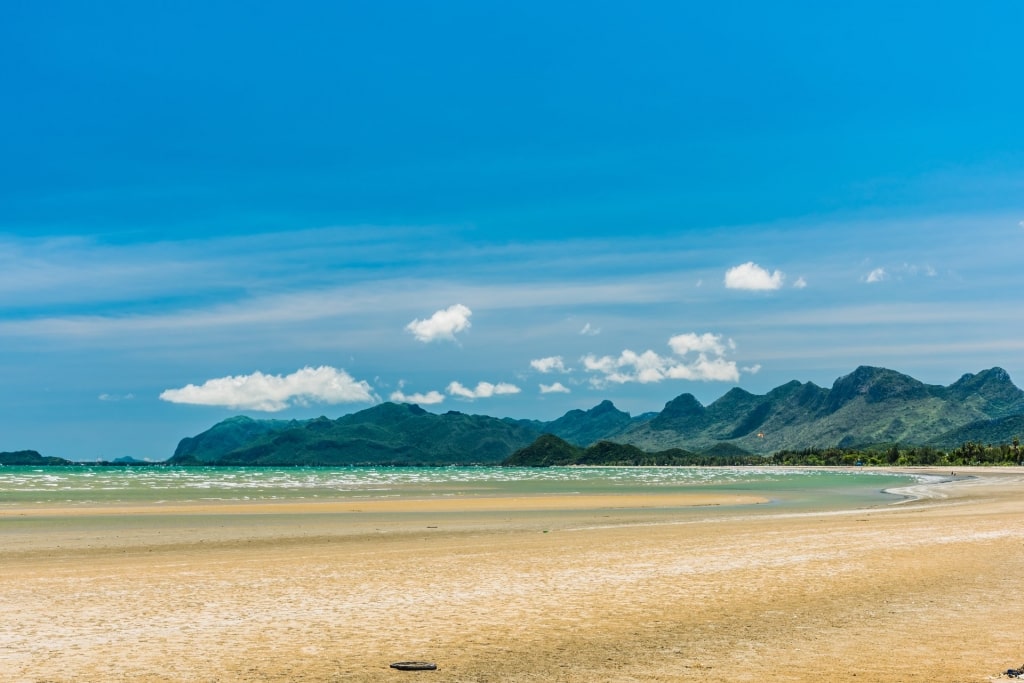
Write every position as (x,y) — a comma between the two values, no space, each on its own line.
(83,485)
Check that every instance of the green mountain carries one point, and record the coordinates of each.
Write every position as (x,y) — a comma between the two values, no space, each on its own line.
(586,427)
(229,435)
(33,458)
(549,451)
(386,434)
(998,431)
(990,391)
(869,406)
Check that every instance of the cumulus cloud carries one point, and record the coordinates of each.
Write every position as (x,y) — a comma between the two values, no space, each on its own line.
(697,357)
(429,398)
(444,324)
(556,388)
(876,275)
(589,331)
(549,364)
(482,390)
(753,277)
(272,393)
(800,283)
(705,369)
(682,344)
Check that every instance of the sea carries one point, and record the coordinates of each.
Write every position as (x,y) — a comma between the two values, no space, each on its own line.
(84,485)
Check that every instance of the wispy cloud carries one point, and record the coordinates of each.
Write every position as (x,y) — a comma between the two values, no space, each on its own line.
(899,272)
(800,283)
(915,269)
(556,388)
(876,275)
(948,313)
(444,324)
(272,393)
(589,331)
(264,312)
(751,276)
(114,398)
(482,390)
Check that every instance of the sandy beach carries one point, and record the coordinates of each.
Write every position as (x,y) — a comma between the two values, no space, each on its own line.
(594,588)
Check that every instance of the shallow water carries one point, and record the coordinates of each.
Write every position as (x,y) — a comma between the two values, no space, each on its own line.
(84,485)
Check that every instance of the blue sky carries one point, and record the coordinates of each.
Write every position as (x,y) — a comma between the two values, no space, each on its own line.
(301,209)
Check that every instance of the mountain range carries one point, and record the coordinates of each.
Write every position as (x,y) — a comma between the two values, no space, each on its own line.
(870,406)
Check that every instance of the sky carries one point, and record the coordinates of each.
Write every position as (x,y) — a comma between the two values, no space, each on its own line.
(287,210)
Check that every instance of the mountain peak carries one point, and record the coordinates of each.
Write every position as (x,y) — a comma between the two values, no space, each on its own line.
(991,390)
(585,427)
(683,405)
(993,376)
(735,394)
(874,385)
(681,413)
(391,409)
(603,407)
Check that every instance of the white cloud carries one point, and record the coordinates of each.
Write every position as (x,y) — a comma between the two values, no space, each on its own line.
(682,344)
(272,393)
(482,390)
(876,275)
(549,364)
(706,369)
(800,283)
(592,363)
(442,325)
(753,277)
(708,365)
(589,331)
(752,369)
(429,398)
(556,388)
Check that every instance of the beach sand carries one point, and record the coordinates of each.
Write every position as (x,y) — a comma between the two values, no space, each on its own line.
(570,589)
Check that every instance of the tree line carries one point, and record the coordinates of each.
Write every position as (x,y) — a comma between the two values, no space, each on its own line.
(968,453)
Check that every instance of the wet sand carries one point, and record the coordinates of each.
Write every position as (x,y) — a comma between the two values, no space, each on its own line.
(595,588)
(478,503)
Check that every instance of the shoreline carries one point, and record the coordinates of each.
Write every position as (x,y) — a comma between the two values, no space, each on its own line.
(719,594)
(474,503)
